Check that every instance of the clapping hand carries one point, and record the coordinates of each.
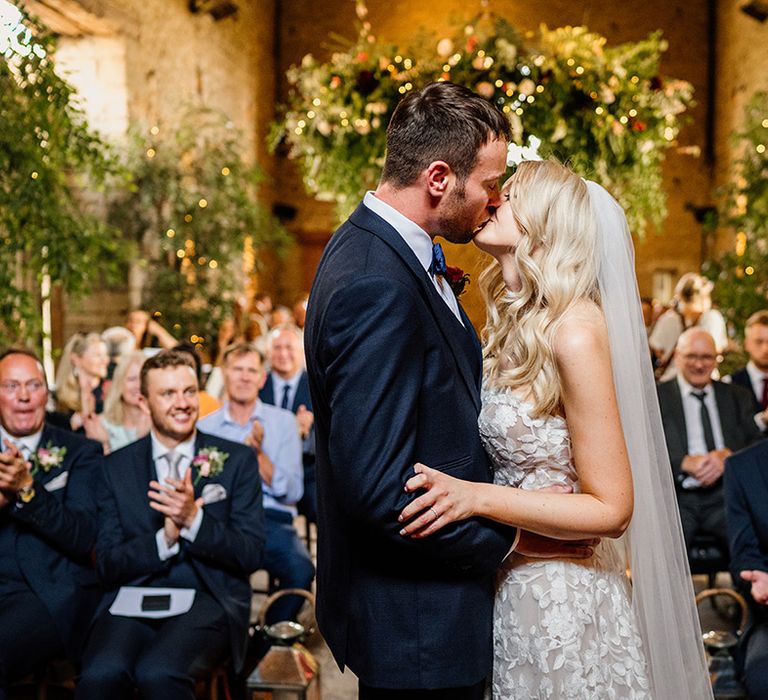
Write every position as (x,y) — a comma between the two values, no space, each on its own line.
(255,438)
(759,581)
(14,472)
(176,502)
(305,419)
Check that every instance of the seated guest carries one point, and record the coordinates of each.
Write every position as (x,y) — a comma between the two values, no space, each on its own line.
(754,377)
(272,434)
(48,590)
(208,403)
(704,421)
(123,420)
(746,505)
(180,531)
(287,386)
(147,331)
(81,379)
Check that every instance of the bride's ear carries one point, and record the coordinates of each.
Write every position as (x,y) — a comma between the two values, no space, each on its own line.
(439,176)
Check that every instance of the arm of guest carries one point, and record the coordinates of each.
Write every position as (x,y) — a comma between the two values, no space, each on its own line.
(288,475)
(746,552)
(236,543)
(120,559)
(375,360)
(69,524)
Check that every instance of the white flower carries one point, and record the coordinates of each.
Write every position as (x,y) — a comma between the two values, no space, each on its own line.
(444,48)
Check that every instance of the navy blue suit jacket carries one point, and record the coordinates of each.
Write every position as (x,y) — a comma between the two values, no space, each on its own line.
(302,397)
(741,378)
(395,380)
(228,546)
(56,533)
(746,496)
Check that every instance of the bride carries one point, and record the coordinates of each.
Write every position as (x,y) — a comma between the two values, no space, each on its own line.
(569,404)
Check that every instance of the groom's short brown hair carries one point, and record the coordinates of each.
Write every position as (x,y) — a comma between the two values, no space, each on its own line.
(444,121)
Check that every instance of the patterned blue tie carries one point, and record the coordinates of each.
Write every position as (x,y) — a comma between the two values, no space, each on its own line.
(437,266)
(286,396)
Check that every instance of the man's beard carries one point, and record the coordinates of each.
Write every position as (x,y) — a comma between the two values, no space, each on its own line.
(454,224)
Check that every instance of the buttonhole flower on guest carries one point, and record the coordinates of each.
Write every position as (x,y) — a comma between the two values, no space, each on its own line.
(457,279)
(208,462)
(47,458)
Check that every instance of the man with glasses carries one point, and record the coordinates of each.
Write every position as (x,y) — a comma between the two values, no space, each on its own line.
(48,590)
(704,421)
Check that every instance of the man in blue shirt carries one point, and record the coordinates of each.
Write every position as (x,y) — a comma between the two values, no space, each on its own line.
(273,434)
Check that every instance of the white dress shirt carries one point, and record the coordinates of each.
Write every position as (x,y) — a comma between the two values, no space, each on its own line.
(26,444)
(757,377)
(186,450)
(694,429)
(419,241)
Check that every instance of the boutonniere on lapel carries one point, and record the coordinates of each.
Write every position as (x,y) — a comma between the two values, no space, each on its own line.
(457,279)
(208,462)
(46,458)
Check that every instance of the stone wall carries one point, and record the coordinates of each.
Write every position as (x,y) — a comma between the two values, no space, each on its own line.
(305,24)
(174,59)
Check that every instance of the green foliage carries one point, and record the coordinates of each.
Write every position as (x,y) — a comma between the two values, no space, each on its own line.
(48,156)
(604,110)
(191,211)
(741,276)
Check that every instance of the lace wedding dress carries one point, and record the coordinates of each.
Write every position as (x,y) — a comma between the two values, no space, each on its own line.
(562,628)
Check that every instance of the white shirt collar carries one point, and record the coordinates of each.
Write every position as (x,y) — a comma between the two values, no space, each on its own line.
(417,239)
(755,374)
(686,389)
(26,443)
(186,448)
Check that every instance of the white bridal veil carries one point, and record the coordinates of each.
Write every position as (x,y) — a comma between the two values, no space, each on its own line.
(662,592)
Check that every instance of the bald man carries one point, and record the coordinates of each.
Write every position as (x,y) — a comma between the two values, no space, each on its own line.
(704,421)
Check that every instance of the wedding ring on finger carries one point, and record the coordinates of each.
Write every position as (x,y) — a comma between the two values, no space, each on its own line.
(434,512)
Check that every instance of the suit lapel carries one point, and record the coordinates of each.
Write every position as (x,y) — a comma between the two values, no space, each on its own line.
(45,437)
(728,415)
(267,393)
(452,331)
(136,488)
(302,397)
(677,413)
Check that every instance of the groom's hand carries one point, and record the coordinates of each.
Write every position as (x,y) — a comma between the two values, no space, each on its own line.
(539,547)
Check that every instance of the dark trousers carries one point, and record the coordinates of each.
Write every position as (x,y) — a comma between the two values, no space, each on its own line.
(702,511)
(28,636)
(756,662)
(474,692)
(287,560)
(161,658)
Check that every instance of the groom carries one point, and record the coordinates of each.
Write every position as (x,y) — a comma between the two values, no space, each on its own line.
(394,368)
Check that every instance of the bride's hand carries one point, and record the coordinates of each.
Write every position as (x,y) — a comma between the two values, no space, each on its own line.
(446,499)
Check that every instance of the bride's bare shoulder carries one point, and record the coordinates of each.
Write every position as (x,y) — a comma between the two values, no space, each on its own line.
(581,333)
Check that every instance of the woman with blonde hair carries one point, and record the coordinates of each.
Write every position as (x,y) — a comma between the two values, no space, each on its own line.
(81,378)
(572,427)
(691,306)
(123,420)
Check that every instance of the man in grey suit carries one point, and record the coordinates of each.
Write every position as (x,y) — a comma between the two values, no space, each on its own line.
(704,421)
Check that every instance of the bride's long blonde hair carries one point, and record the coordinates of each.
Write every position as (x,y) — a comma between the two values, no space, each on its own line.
(557,266)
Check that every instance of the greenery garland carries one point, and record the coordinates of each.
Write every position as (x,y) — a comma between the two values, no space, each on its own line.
(741,276)
(48,157)
(605,110)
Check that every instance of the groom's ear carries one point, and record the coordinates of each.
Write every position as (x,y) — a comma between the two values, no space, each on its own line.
(439,175)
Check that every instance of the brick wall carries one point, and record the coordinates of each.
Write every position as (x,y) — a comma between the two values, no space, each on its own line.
(305,24)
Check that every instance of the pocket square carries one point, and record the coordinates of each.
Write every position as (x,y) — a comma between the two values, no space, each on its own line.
(212,493)
(57,483)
